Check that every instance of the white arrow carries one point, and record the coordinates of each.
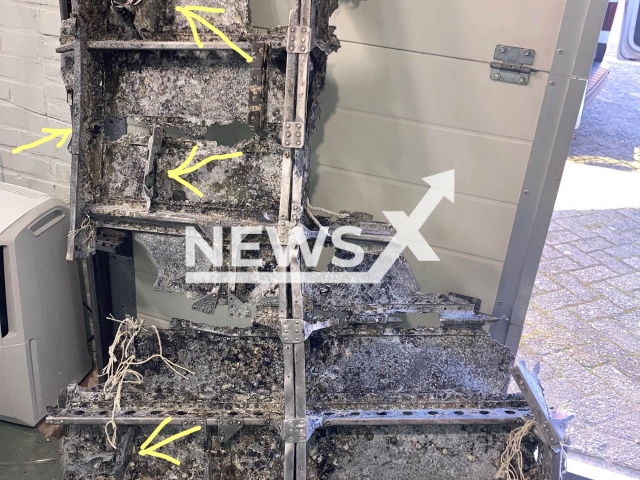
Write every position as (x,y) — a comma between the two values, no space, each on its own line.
(408,227)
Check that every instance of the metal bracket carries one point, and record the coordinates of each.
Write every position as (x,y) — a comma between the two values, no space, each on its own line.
(148,186)
(237,308)
(297,331)
(258,85)
(194,422)
(112,241)
(228,427)
(293,134)
(299,39)
(292,331)
(552,427)
(283,231)
(512,65)
(299,430)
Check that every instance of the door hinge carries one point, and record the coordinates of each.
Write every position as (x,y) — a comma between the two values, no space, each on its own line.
(512,64)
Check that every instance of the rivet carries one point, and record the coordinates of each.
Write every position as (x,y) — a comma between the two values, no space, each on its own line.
(299,126)
(303,49)
(298,143)
(502,49)
(499,302)
(521,80)
(560,51)
(286,154)
(293,29)
(526,192)
(496,75)
(288,134)
(288,143)
(526,53)
(552,83)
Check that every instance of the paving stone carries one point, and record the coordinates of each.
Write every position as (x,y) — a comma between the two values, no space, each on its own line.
(552,341)
(633,262)
(623,385)
(557,214)
(541,321)
(561,236)
(630,320)
(611,235)
(574,226)
(624,251)
(626,225)
(630,366)
(603,217)
(592,244)
(549,253)
(555,300)
(576,255)
(596,353)
(594,274)
(612,331)
(633,213)
(623,300)
(595,310)
(558,265)
(559,392)
(615,265)
(633,235)
(572,284)
(597,409)
(579,328)
(545,284)
(624,452)
(626,283)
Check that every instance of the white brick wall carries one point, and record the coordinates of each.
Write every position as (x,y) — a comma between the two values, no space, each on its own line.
(32,96)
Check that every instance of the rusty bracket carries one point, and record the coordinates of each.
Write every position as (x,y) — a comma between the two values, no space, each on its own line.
(299,430)
(299,39)
(228,427)
(258,85)
(552,426)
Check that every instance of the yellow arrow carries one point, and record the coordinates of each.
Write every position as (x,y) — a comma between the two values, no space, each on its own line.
(182,170)
(190,16)
(55,132)
(151,450)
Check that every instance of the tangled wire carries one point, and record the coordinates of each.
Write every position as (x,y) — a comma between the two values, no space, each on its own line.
(119,371)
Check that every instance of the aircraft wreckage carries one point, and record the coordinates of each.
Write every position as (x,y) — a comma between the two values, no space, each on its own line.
(325,383)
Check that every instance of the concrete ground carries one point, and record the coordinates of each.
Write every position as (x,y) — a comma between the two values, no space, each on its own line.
(583,324)
(26,453)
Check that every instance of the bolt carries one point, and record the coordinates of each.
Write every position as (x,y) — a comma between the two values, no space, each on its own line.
(502,49)
(526,53)
(496,76)
(521,80)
